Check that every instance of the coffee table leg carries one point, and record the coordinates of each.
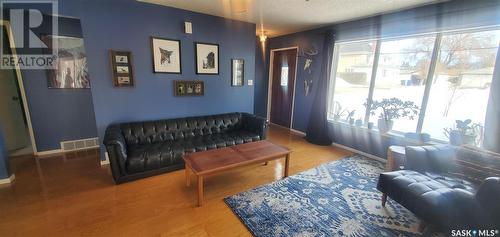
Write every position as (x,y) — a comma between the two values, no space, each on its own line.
(188,180)
(287,161)
(200,191)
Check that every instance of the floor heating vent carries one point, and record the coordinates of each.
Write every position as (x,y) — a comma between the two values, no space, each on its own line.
(80,144)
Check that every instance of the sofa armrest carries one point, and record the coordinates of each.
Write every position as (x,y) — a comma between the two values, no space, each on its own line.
(114,137)
(117,150)
(457,209)
(487,196)
(437,158)
(255,124)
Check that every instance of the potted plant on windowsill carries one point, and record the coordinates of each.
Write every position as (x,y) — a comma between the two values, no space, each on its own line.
(338,111)
(350,117)
(464,132)
(392,108)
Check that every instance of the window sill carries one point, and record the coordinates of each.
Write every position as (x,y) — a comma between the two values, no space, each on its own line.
(400,135)
(390,134)
(480,151)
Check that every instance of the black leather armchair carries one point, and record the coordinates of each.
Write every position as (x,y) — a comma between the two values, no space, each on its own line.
(142,149)
(428,188)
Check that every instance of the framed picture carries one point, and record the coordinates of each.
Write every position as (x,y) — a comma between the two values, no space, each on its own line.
(121,68)
(71,60)
(237,72)
(207,58)
(166,55)
(189,88)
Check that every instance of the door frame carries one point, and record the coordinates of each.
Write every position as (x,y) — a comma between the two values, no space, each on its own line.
(270,82)
(20,83)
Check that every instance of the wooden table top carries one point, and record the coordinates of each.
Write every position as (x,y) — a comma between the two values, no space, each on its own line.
(212,161)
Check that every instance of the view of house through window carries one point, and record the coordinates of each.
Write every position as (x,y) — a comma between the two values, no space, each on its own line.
(402,73)
(459,89)
(462,81)
(354,71)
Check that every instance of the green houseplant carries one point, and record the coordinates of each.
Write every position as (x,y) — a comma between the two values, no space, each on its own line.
(392,108)
(464,132)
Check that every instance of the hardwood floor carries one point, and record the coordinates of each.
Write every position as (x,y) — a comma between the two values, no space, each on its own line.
(72,195)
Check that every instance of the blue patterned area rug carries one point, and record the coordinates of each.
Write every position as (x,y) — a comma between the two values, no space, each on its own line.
(334,199)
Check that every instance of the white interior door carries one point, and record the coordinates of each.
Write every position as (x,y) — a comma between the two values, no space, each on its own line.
(11,115)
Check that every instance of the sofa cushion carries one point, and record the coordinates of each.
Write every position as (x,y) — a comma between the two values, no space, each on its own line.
(162,154)
(140,133)
(435,158)
(431,196)
(149,157)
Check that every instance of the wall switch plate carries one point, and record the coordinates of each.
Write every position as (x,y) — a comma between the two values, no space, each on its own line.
(250,82)
(188,27)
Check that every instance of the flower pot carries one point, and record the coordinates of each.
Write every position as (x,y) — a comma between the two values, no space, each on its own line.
(351,121)
(359,122)
(336,117)
(469,139)
(385,126)
(425,137)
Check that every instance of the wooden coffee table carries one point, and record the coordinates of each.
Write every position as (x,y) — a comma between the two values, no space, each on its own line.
(218,160)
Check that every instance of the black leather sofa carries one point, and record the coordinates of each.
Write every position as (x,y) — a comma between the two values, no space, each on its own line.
(443,201)
(142,149)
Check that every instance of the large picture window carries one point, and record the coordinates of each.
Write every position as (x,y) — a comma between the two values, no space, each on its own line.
(462,81)
(458,89)
(402,73)
(352,82)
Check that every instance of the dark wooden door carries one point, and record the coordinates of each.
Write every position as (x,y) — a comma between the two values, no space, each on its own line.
(283,85)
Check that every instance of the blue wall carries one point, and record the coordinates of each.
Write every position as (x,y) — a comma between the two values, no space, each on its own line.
(443,16)
(69,114)
(58,114)
(128,25)
(261,69)
(307,41)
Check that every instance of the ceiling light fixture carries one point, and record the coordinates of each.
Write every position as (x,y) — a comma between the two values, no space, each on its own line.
(263,37)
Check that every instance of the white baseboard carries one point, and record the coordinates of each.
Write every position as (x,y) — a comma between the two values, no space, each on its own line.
(359,152)
(297,132)
(106,161)
(8,180)
(49,152)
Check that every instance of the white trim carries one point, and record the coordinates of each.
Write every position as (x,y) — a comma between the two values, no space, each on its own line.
(20,83)
(360,152)
(270,82)
(269,85)
(106,161)
(8,180)
(294,87)
(297,132)
(49,152)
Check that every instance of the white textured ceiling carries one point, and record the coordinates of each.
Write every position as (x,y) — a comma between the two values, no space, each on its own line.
(279,17)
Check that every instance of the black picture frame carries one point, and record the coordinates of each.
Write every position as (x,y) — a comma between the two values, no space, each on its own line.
(189,88)
(118,77)
(156,68)
(53,74)
(200,54)
(237,74)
